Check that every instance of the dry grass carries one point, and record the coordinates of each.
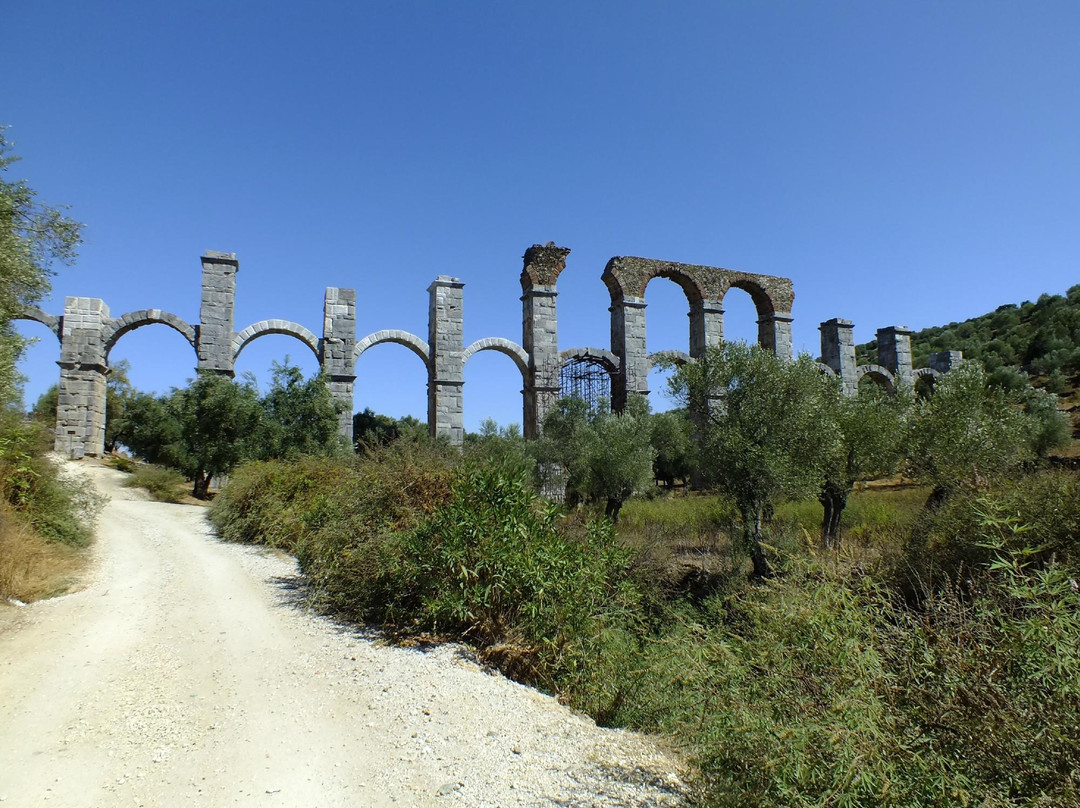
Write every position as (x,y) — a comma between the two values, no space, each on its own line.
(32,568)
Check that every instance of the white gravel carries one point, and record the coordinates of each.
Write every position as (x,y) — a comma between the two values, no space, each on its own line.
(187,673)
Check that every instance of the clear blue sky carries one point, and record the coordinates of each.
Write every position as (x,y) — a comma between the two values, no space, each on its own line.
(908,163)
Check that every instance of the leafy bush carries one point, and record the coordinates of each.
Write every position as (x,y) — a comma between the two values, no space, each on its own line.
(164,485)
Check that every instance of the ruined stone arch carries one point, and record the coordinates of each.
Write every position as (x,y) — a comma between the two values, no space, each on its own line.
(410,341)
(598,356)
(678,357)
(503,346)
(878,374)
(826,370)
(264,327)
(50,321)
(137,319)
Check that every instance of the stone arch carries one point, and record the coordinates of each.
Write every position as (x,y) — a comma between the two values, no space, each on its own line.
(627,277)
(678,357)
(264,327)
(878,375)
(410,341)
(503,346)
(598,356)
(826,370)
(924,379)
(137,319)
(50,321)
(766,302)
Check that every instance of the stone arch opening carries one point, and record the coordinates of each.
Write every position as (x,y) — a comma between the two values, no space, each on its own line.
(741,316)
(588,374)
(492,385)
(925,379)
(392,359)
(670,325)
(875,374)
(261,354)
(40,352)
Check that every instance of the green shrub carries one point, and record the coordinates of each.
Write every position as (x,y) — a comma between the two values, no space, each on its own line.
(164,485)
(59,508)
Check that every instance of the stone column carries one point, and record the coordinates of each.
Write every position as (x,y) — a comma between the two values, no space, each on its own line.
(706,326)
(337,346)
(894,353)
(774,333)
(540,333)
(216,313)
(446,366)
(838,352)
(944,361)
(80,409)
(628,343)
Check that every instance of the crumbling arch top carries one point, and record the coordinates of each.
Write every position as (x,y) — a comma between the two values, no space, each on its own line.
(503,346)
(410,341)
(264,327)
(50,321)
(137,319)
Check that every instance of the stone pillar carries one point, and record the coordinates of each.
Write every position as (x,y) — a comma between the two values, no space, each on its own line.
(774,333)
(540,332)
(944,361)
(628,343)
(337,346)
(894,353)
(80,409)
(446,366)
(214,346)
(706,326)
(838,352)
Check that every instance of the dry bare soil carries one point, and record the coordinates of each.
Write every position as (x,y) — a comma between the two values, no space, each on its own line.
(187,673)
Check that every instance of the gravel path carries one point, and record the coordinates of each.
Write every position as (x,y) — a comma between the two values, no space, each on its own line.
(187,673)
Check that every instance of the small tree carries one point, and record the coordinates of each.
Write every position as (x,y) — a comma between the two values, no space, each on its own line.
(672,439)
(870,430)
(33,237)
(766,429)
(219,421)
(606,455)
(300,416)
(966,432)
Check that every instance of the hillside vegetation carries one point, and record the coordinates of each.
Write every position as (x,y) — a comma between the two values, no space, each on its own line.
(1041,339)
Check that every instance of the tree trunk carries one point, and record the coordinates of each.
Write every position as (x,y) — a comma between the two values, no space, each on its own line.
(752,535)
(833,499)
(201,489)
(612,509)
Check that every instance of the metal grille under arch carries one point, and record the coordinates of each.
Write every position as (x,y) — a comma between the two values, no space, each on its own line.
(586,379)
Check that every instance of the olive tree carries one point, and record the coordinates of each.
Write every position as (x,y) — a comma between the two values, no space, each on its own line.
(870,428)
(33,238)
(606,455)
(765,430)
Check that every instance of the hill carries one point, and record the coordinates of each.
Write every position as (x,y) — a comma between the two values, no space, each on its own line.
(1041,339)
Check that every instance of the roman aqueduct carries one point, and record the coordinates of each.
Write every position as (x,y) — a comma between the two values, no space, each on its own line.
(87,333)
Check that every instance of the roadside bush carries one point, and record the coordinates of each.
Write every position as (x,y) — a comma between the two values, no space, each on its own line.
(163,485)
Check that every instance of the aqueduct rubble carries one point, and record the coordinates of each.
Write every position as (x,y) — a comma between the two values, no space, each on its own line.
(87,333)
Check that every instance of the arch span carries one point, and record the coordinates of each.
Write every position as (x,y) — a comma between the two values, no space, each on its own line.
(678,357)
(137,319)
(264,327)
(410,341)
(598,356)
(503,346)
(50,321)
(878,374)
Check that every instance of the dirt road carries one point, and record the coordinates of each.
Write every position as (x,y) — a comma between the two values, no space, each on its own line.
(187,673)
